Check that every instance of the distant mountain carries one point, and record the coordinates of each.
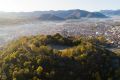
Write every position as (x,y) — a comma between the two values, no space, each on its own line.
(96,15)
(77,14)
(53,15)
(111,12)
(49,17)
(69,14)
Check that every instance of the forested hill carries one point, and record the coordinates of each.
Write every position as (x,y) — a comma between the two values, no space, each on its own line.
(35,58)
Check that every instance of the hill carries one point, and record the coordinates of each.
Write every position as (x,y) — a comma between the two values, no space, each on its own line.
(77,14)
(33,58)
(52,15)
(111,12)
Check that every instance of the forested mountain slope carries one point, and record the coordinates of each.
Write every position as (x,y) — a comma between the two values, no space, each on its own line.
(33,58)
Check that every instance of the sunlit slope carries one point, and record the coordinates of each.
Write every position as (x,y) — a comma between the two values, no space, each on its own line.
(35,58)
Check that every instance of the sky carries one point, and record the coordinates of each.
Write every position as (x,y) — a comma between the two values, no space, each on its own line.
(43,5)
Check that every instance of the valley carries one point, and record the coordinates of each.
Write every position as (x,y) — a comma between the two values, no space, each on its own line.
(109,28)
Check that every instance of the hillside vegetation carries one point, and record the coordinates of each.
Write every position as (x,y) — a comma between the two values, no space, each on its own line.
(35,58)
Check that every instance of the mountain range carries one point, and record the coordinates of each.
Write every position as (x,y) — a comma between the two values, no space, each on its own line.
(59,15)
(111,12)
(53,15)
(76,14)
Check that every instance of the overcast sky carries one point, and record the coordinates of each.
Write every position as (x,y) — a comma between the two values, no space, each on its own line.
(42,5)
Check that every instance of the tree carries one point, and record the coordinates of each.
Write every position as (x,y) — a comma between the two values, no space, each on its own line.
(39,70)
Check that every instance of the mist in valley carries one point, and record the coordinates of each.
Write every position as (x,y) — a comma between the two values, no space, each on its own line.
(87,27)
